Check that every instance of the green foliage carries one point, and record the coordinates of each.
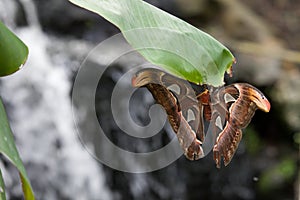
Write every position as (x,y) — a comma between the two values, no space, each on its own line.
(252,140)
(278,175)
(297,138)
(8,148)
(13,52)
(165,40)
(2,188)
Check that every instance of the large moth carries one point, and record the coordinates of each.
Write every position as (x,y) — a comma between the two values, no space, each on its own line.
(229,109)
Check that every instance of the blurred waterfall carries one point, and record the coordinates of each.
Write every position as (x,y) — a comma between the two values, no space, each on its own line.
(39,107)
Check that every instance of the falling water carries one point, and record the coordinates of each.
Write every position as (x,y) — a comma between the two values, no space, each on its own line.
(38,102)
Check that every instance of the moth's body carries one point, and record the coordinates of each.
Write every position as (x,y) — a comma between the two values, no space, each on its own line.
(237,110)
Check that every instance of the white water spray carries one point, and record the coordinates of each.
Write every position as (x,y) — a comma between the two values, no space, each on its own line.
(41,119)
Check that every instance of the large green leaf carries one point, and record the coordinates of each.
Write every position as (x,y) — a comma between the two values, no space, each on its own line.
(2,188)
(166,40)
(8,148)
(13,52)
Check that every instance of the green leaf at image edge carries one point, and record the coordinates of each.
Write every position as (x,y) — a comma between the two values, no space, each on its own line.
(166,40)
(9,150)
(2,188)
(13,52)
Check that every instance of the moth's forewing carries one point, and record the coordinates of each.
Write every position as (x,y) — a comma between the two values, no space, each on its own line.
(179,100)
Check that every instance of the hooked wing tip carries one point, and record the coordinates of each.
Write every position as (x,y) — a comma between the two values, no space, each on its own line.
(139,79)
(145,76)
(133,81)
(267,105)
(263,104)
(259,99)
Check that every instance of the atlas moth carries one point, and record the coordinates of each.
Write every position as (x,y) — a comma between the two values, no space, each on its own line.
(229,109)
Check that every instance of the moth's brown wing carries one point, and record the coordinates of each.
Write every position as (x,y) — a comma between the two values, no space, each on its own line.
(242,102)
(179,100)
(181,89)
(249,100)
(190,106)
(224,135)
(226,144)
